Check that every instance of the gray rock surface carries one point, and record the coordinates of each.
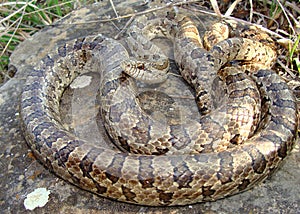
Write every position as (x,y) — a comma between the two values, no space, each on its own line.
(21,173)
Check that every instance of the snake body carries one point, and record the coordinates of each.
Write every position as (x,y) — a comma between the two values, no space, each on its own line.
(175,179)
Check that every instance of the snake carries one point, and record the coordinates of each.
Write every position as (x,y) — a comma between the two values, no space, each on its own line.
(163,179)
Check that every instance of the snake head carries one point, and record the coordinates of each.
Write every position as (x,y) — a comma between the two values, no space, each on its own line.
(146,71)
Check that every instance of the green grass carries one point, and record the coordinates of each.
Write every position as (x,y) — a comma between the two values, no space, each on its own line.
(276,10)
(294,57)
(21,19)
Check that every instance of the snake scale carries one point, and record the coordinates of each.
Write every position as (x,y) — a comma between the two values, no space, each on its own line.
(158,180)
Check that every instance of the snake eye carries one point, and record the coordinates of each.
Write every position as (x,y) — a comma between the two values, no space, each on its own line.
(141,66)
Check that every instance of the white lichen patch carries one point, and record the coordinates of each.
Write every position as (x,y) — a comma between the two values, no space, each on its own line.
(37,198)
(81,82)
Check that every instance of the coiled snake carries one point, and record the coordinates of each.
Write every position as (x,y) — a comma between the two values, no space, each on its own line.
(204,171)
